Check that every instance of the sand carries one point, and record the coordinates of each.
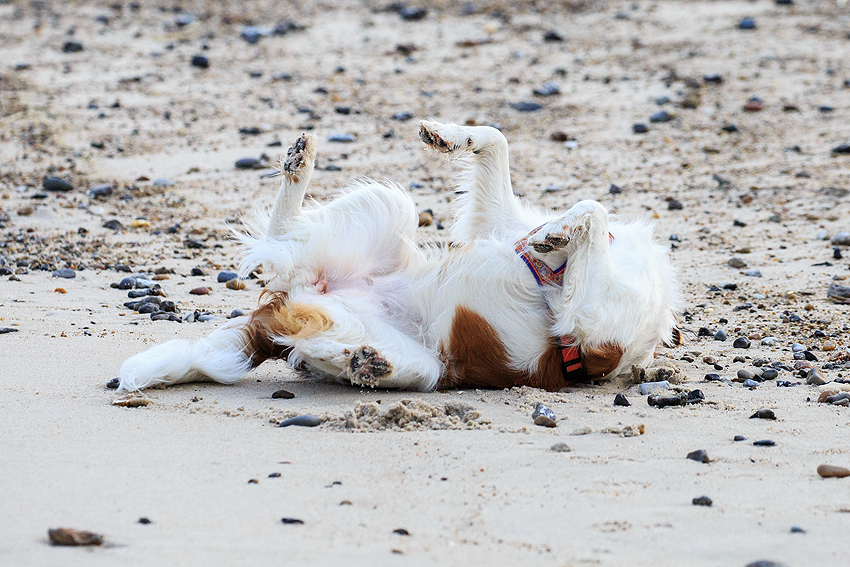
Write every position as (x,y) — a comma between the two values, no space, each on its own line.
(477,482)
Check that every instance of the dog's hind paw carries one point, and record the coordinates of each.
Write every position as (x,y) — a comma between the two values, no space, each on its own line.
(367,367)
(441,136)
(299,157)
(549,243)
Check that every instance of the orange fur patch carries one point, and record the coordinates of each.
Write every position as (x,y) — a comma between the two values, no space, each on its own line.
(601,360)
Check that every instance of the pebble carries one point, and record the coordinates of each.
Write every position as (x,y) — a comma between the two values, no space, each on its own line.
(341,138)
(200,62)
(661,116)
(224,277)
(674,205)
(198,272)
(560,448)
(696,397)
(840,399)
(764,443)
(739,438)
(72,47)
(730,128)
(402,116)
(283,395)
(736,263)
(842,149)
(744,374)
(236,284)
(640,128)
(797,530)
(769,341)
(615,189)
(769,373)
(661,402)
(832,471)
(543,415)
(621,400)
(747,24)
(249,163)
(236,313)
(56,184)
(838,293)
(647,387)
(741,342)
(765,563)
(113,384)
(750,384)
(752,273)
(194,244)
(113,224)
(699,456)
(206,317)
(701,501)
(413,13)
(426,218)
(720,335)
(70,536)
(64,273)
(526,106)
(291,521)
(552,36)
(753,105)
(558,136)
(763,414)
(102,190)
(814,378)
(547,89)
(200,291)
(301,420)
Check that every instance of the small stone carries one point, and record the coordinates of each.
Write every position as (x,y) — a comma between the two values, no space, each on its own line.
(744,374)
(341,138)
(699,456)
(413,13)
(752,273)
(647,387)
(769,341)
(747,24)
(194,244)
(547,89)
(763,414)
(764,443)
(558,136)
(842,149)
(662,402)
(730,128)
(132,402)
(695,397)
(224,277)
(702,501)
(70,536)
(736,263)
(113,384)
(200,291)
(661,116)
(840,399)
(144,521)
(769,373)
(54,184)
(720,335)
(832,471)
(560,448)
(814,378)
(402,116)
(620,400)
(102,190)
(235,284)
(113,224)
(544,412)
(838,293)
(64,273)
(614,189)
(301,420)
(797,529)
(750,384)
(426,218)
(291,521)
(552,36)
(283,395)
(526,106)
(198,272)
(739,438)
(753,105)
(741,342)
(72,47)
(765,563)
(236,313)
(674,205)
(248,163)
(639,128)
(200,62)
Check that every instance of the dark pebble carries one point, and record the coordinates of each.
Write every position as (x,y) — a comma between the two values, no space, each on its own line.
(763,414)
(200,61)
(402,116)
(730,128)
(248,163)
(547,89)
(302,420)
(113,384)
(764,443)
(741,342)
(702,501)
(699,456)
(72,47)
(544,411)
(675,205)
(198,272)
(144,521)
(552,36)
(199,291)
(808,355)
(147,308)
(413,13)
(251,34)
(842,149)
(274,475)
(64,273)
(291,521)
(620,400)
(661,402)
(160,316)
(712,377)
(713,79)
(56,185)
(639,128)
(401,531)
(236,313)
(720,335)
(614,189)
(192,243)
(696,397)
(5,330)
(526,106)
(704,332)
(747,24)
(560,448)
(797,530)
(341,138)
(661,116)
(102,190)
(113,225)
(739,438)
(769,374)
(764,563)
(283,395)
(224,277)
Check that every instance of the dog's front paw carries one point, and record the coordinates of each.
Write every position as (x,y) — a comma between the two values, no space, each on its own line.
(367,367)
(550,242)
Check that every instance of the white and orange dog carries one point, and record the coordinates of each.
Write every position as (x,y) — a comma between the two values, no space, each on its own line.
(520,299)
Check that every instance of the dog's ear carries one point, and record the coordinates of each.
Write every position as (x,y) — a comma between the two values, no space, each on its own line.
(601,360)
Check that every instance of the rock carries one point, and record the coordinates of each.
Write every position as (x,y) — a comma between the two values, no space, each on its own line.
(752,273)
(699,456)
(739,438)
(113,384)
(70,536)
(236,313)
(560,448)
(764,443)
(283,395)
(235,284)
(252,34)
(249,163)
(747,24)
(64,273)
(56,185)
(720,335)
(72,47)
(713,79)
(206,317)
(224,277)
(840,399)
(402,116)
(647,387)
(200,62)
(750,384)
(769,341)
(744,374)
(797,530)
(102,190)
(832,471)
(547,89)
(842,149)
(132,402)
(730,128)
(620,400)
(763,414)
(200,291)
(838,293)
(639,128)
(413,13)
(662,402)
(292,521)
(753,105)
(814,378)
(301,420)
(674,205)
(426,218)
(194,244)
(701,501)
(614,189)
(765,563)
(695,397)
(552,36)
(113,224)
(558,136)
(661,116)
(737,263)
(769,373)
(741,342)
(543,415)
(341,138)
(797,347)
(526,106)
(198,272)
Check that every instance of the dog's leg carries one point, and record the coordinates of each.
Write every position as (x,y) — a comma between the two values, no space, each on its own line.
(487,202)
(296,169)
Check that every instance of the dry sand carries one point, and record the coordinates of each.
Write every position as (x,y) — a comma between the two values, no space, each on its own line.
(481,484)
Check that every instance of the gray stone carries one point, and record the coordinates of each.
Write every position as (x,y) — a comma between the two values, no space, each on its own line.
(64,273)
(814,377)
(560,448)
(736,263)
(840,239)
(647,387)
(750,384)
(769,341)
(301,420)
(752,273)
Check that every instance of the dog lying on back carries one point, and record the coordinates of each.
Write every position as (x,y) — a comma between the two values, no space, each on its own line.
(522,298)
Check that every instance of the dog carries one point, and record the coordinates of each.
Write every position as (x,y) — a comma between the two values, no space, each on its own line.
(520,298)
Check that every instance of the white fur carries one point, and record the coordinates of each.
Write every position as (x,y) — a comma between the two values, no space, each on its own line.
(356,259)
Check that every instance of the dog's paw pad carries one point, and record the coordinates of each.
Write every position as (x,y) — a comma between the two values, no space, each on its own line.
(437,141)
(299,155)
(368,367)
(550,243)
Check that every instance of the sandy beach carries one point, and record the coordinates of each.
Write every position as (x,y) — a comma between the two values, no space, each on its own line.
(143,111)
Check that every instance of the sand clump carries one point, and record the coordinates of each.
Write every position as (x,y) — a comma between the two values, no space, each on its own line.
(409,415)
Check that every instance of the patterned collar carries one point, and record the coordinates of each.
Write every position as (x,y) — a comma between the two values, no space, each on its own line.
(543,274)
